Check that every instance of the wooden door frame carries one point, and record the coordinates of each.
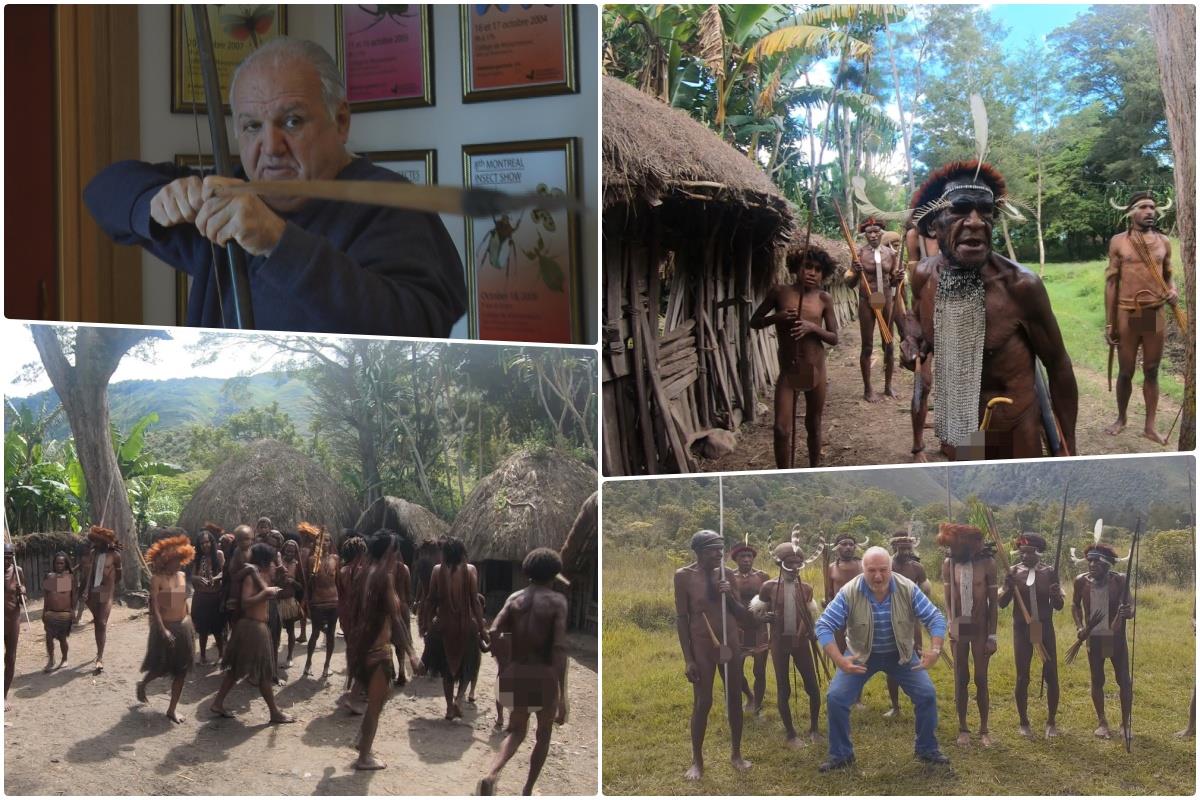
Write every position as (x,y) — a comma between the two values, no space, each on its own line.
(96,104)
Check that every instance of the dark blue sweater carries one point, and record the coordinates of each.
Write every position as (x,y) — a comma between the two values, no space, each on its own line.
(339,267)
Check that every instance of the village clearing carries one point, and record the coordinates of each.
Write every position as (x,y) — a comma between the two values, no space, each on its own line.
(75,733)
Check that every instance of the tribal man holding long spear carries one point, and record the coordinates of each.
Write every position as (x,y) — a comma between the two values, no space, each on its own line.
(1100,607)
(698,609)
(1137,286)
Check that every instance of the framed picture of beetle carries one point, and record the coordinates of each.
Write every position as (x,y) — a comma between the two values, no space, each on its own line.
(523,268)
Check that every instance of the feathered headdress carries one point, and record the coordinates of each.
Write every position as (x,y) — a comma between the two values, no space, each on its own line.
(1101,551)
(1138,197)
(215,529)
(308,530)
(868,222)
(98,535)
(931,196)
(955,536)
(1030,539)
(169,548)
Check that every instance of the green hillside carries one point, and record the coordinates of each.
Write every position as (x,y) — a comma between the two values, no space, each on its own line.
(185,401)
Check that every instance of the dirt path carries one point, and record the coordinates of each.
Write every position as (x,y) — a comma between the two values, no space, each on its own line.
(861,433)
(73,733)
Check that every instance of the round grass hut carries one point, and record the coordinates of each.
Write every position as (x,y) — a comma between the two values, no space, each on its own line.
(414,524)
(530,500)
(580,566)
(269,479)
(694,233)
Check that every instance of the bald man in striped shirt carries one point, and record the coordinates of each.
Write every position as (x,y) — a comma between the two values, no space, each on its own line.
(877,609)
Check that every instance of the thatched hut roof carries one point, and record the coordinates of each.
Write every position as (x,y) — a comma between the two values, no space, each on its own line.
(268,478)
(579,551)
(407,519)
(653,152)
(530,500)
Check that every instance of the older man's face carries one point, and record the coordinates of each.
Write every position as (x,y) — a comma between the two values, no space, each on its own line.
(283,127)
(877,568)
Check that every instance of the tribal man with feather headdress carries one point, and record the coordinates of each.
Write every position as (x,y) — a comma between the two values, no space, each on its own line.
(787,604)
(1099,611)
(881,267)
(987,319)
(969,581)
(99,575)
(1137,287)
(1035,587)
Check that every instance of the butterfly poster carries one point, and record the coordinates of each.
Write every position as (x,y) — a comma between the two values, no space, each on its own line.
(512,51)
(386,56)
(523,267)
(236,32)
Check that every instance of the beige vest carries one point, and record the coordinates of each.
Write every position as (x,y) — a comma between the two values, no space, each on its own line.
(860,623)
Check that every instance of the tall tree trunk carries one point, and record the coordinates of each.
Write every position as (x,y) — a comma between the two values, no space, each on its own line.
(1038,219)
(1175,36)
(905,125)
(83,391)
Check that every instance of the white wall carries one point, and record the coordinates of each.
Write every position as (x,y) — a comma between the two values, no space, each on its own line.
(446,126)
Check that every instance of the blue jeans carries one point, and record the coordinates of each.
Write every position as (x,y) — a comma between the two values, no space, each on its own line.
(845,689)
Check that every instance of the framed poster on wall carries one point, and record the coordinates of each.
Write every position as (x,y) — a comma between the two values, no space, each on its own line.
(419,166)
(236,31)
(523,276)
(513,51)
(386,56)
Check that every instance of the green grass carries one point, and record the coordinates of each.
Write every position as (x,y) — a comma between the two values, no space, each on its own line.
(1077,296)
(647,703)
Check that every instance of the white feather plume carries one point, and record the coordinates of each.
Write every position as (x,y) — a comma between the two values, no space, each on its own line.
(980,118)
(1097,531)
(870,209)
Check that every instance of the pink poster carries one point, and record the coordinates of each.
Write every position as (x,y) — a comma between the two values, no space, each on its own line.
(385,53)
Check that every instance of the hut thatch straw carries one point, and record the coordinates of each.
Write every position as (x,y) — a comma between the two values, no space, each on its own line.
(412,522)
(530,500)
(579,551)
(270,479)
(651,151)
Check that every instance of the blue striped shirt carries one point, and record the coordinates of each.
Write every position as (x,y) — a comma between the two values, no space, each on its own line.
(834,617)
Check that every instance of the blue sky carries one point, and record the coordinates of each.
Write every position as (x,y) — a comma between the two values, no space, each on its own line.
(1030,19)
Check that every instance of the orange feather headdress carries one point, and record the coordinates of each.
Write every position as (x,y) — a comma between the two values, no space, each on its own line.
(308,530)
(98,535)
(956,536)
(169,548)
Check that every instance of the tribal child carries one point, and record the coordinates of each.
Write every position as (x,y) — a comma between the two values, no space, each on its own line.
(369,658)
(99,575)
(278,578)
(208,590)
(499,645)
(534,681)
(1040,595)
(906,562)
(353,558)
(883,272)
(787,604)
(1099,591)
(243,539)
(970,584)
(321,592)
(57,599)
(456,625)
(170,648)
(747,582)
(291,583)
(248,653)
(804,323)
(699,588)
(14,596)
(1134,300)
(988,318)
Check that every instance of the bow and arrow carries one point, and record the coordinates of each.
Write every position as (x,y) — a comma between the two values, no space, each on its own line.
(469,202)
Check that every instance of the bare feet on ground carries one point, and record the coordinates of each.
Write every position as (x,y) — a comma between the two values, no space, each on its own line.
(1153,435)
(964,738)
(1102,732)
(740,763)
(985,739)
(1115,428)
(694,772)
(1024,730)
(1051,731)
(369,761)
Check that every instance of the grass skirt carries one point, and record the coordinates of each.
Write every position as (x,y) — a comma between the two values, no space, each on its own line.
(248,654)
(171,658)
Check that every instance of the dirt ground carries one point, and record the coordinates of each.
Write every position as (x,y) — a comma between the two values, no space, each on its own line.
(71,732)
(860,433)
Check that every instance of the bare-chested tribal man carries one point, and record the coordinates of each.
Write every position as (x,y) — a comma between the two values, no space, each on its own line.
(747,581)
(883,271)
(99,575)
(1137,287)
(1038,594)
(1100,592)
(970,585)
(698,602)
(985,319)
(534,680)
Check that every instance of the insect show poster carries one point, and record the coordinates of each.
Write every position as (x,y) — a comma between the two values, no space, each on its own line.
(236,32)
(524,266)
(517,50)
(384,55)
